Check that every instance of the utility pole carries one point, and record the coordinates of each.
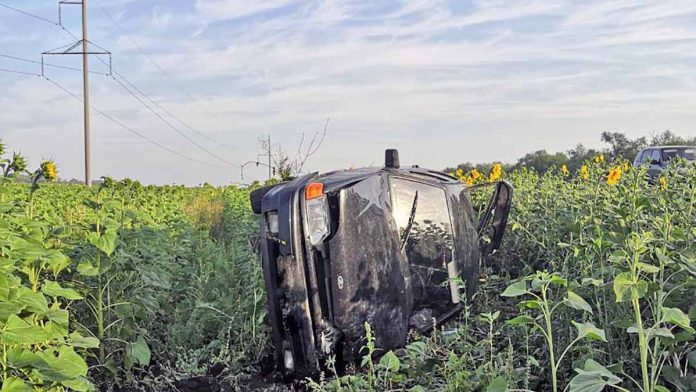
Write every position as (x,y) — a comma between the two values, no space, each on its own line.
(85,92)
(269,157)
(72,49)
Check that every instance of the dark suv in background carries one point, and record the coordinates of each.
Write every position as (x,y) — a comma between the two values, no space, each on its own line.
(658,157)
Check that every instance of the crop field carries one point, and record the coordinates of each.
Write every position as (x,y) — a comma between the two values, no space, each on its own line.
(158,288)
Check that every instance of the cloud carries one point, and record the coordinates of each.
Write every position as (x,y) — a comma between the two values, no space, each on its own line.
(444,81)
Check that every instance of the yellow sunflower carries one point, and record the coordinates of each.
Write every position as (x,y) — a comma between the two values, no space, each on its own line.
(564,170)
(49,171)
(663,184)
(599,158)
(496,172)
(584,173)
(614,175)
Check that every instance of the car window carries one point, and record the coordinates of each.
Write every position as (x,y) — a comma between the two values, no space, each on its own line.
(656,155)
(682,152)
(639,157)
(645,157)
(429,244)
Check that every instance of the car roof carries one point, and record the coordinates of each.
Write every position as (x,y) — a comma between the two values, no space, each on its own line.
(667,146)
(339,178)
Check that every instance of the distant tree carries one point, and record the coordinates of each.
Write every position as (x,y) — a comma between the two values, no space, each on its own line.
(669,138)
(621,146)
(578,156)
(541,161)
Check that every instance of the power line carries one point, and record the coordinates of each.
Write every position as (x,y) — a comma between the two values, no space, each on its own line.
(166,74)
(125,87)
(30,14)
(177,130)
(47,64)
(127,128)
(175,118)
(19,72)
(140,49)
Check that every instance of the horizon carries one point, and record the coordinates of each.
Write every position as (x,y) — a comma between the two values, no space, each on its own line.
(443,82)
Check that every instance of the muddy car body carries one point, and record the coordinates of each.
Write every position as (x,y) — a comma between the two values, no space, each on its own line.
(396,247)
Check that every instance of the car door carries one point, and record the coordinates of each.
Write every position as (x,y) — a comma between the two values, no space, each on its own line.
(655,163)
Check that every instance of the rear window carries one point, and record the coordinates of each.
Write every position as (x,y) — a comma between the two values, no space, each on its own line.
(688,153)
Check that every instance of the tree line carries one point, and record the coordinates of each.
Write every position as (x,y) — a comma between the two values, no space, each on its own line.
(617,145)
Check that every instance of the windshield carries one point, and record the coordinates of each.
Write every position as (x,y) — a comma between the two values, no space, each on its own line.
(428,240)
(688,153)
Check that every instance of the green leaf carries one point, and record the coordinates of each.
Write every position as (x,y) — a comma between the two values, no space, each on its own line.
(677,317)
(57,261)
(592,282)
(530,304)
(66,365)
(577,302)
(14,384)
(520,320)
(590,331)
(516,289)
(626,289)
(86,268)
(661,332)
(390,362)
(498,384)
(648,268)
(4,288)
(19,357)
(79,384)
(78,340)
(18,331)
(593,378)
(139,352)
(55,290)
(105,243)
(557,280)
(32,301)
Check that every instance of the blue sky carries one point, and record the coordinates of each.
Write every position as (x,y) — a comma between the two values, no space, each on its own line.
(443,81)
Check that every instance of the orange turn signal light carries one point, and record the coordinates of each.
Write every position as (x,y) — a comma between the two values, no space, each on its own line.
(314,190)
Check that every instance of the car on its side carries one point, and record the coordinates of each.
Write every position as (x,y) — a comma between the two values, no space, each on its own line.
(396,247)
(658,157)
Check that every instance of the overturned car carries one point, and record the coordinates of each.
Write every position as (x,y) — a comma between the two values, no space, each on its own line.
(396,247)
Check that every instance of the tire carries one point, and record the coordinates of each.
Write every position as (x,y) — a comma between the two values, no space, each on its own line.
(256,197)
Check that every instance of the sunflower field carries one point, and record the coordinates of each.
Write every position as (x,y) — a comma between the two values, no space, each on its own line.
(125,287)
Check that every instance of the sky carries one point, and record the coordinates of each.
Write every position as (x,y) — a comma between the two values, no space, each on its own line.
(442,81)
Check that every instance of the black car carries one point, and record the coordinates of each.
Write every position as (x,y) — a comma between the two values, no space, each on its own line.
(396,247)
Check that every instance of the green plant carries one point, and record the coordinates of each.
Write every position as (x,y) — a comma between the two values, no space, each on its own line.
(541,290)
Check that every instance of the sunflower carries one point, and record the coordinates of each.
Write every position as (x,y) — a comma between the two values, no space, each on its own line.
(614,175)
(663,183)
(49,171)
(475,174)
(460,173)
(496,172)
(599,158)
(469,181)
(584,173)
(564,170)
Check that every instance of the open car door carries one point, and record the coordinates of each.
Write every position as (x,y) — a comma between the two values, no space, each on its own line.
(492,224)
